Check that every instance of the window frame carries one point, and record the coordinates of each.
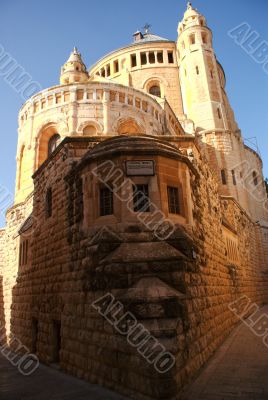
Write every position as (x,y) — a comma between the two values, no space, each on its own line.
(140,205)
(106,194)
(173,197)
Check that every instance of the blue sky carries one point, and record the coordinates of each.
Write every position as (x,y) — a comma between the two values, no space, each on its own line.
(40,35)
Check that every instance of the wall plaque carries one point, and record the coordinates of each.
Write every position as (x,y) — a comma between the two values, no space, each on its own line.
(140,168)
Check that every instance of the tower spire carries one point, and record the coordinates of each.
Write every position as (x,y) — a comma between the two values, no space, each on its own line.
(74,70)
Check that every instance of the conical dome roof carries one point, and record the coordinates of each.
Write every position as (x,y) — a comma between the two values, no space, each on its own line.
(75,56)
(191,11)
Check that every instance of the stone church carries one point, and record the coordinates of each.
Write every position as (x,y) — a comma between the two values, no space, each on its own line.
(135,195)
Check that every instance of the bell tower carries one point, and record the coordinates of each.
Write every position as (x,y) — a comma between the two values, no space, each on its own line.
(202,77)
(74,70)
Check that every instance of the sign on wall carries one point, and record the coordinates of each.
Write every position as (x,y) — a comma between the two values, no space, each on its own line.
(140,168)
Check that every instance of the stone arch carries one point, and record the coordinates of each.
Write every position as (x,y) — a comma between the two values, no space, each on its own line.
(90,128)
(46,132)
(156,82)
(129,126)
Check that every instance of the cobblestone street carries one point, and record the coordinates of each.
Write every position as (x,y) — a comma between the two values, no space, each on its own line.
(238,369)
(47,384)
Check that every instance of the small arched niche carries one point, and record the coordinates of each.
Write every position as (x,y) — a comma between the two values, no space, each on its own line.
(154,87)
(89,130)
(129,126)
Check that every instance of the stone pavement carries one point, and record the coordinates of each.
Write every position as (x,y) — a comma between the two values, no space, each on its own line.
(238,369)
(47,384)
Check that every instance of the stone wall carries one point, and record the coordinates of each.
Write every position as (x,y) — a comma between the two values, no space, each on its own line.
(179,289)
(2,265)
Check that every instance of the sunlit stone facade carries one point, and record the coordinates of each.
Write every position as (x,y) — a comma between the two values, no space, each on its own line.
(152,118)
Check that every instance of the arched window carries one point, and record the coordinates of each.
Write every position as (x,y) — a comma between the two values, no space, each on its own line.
(155,90)
(53,143)
(255,178)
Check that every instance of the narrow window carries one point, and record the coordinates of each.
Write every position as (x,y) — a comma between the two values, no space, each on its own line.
(23,253)
(102,72)
(160,58)
(151,57)
(233,177)
(197,70)
(108,70)
(170,57)
(143,59)
(173,200)
(192,38)
(116,66)
(255,178)
(211,74)
(48,203)
(204,38)
(26,252)
(106,201)
(53,143)
(155,90)
(20,255)
(223,177)
(141,200)
(219,113)
(133,60)
(56,341)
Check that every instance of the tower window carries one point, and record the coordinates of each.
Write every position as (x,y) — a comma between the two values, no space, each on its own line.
(204,38)
(106,201)
(133,60)
(197,70)
(143,59)
(211,74)
(170,57)
(173,200)
(155,90)
(53,143)
(219,113)
(108,70)
(48,203)
(255,178)
(141,202)
(233,177)
(116,66)
(192,39)
(102,72)
(23,253)
(223,177)
(160,58)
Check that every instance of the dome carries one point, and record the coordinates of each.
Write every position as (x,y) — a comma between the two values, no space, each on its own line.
(75,56)
(150,37)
